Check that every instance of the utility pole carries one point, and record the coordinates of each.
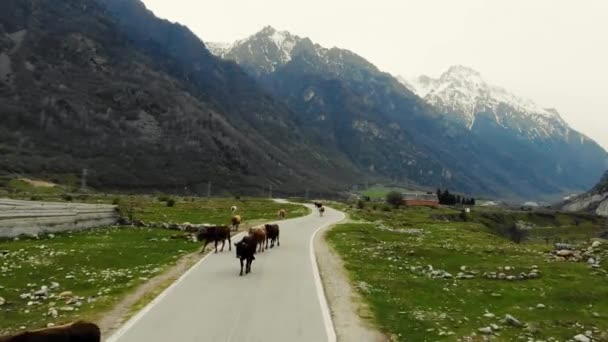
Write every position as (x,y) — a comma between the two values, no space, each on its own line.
(306,196)
(270,191)
(83,180)
(209,189)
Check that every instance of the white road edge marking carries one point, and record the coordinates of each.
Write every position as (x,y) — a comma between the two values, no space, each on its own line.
(327,319)
(131,322)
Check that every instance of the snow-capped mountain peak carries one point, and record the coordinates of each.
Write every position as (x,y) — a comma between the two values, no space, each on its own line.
(271,46)
(462,93)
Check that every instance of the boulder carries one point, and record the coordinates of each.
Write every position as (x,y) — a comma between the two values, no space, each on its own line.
(2,301)
(66,294)
(512,321)
(485,330)
(582,338)
(565,253)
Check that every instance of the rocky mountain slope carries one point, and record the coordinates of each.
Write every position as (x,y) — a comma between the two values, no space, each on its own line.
(595,201)
(460,133)
(142,104)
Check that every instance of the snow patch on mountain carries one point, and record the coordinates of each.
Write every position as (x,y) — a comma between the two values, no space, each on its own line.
(462,92)
(218,49)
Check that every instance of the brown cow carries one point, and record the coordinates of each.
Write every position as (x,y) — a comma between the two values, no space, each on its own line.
(282,213)
(216,234)
(259,233)
(321,211)
(236,221)
(272,234)
(74,332)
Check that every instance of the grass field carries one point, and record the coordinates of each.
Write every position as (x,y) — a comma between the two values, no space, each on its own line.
(203,210)
(390,261)
(97,266)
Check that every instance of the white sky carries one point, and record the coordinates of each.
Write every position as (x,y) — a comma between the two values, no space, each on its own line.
(554,52)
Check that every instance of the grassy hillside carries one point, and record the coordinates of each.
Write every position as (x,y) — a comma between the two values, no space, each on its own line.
(392,258)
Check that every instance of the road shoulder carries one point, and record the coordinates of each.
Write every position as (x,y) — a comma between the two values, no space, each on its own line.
(350,314)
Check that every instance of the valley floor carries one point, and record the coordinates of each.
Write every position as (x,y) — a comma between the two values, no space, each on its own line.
(429,275)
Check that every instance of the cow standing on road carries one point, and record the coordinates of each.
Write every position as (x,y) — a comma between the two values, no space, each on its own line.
(259,233)
(321,211)
(272,234)
(216,234)
(245,251)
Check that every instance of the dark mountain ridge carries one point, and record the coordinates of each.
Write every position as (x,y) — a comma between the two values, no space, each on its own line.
(142,104)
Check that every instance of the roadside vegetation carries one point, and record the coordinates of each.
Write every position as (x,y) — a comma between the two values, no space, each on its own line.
(58,278)
(438,274)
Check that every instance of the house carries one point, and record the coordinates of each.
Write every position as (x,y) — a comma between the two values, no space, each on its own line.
(420,200)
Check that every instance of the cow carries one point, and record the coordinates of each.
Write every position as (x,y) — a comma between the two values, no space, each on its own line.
(245,250)
(75,332)
(259,233)
(234,209)
(321,211)
(272,234)
(318,204)
(282,213)
(236,221)
(216,234)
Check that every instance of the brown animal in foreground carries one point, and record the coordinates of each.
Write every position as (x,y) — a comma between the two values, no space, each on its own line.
(321,211)
(236,221)
(282,213)
(216,234)
(259,234)
(74,332)
(272,234)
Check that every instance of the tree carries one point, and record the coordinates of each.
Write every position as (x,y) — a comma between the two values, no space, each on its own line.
(394,198)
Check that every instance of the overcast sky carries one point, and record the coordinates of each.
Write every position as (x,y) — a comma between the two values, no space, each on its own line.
(554,52)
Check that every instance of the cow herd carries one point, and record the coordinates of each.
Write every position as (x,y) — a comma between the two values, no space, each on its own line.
(258,238)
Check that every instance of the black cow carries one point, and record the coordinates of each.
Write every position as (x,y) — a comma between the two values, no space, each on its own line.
(245,250)
(216,234)
(272,234)
(75,332)
(318,204)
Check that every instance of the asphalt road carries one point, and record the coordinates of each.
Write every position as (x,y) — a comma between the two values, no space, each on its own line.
(281,300)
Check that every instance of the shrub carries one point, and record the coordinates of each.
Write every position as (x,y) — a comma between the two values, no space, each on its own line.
(374,206)
(170,202)
(360,204)
(116,201)
(394,198)
(163,198)
(386,208)
(67,197)
(516,233)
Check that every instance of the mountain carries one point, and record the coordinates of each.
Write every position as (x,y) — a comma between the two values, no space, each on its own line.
(142,104)
(455,131)
(510,124)
(463,95)
(595,201)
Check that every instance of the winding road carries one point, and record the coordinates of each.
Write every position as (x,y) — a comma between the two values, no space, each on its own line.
(281,300)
